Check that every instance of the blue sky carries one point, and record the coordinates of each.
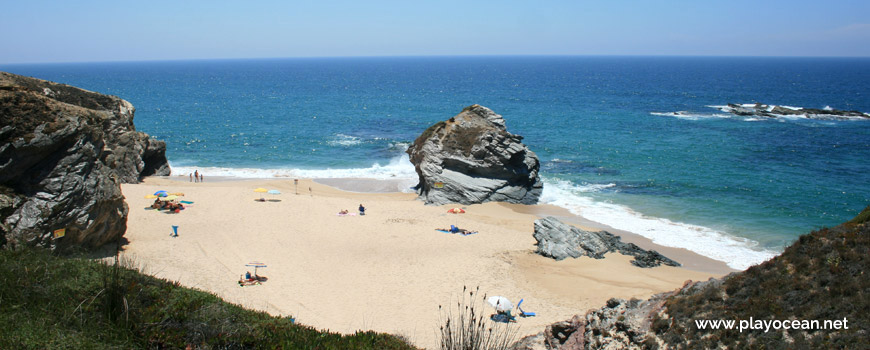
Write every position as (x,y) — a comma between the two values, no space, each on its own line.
(85,31)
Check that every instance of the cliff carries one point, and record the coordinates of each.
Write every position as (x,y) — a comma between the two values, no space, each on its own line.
(471,158)
(821,277)
(65,151)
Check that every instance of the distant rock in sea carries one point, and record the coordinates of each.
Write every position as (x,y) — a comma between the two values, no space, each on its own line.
(65,151)
(558,240)
(773,111)
(471,158)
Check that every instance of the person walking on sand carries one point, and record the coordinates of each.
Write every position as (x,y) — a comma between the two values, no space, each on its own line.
(196,176)
(362,210)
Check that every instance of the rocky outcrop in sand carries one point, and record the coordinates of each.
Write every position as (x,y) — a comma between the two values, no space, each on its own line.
(471,158)
(821,277)
(65,151)
(558,240)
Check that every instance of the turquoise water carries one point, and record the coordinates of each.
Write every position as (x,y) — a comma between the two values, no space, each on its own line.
(733,188)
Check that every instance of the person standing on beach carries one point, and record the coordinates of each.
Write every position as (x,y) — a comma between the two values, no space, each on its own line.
(191,177)
(362,210)
(196,176)
(200,177)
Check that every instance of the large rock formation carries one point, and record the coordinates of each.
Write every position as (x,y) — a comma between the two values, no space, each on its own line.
(558,240)
(65,151)
(821,278)
(473,159)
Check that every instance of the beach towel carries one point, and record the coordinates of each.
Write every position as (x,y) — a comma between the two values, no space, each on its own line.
(523,313)
(461,234)
(187,202)
(348,214)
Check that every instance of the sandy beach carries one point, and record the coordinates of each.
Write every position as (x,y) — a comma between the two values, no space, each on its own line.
(386,271)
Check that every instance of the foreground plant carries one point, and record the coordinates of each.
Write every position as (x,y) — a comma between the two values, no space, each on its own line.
(467,328)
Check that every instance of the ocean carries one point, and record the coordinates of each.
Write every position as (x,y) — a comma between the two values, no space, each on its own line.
(736,189)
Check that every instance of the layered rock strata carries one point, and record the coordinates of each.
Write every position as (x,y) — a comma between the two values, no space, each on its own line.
(65,151)
(558,240)
(471,158)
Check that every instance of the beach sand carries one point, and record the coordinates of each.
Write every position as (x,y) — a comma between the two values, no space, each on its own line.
(386,271)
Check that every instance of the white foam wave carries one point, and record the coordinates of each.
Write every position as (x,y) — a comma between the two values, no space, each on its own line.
(344,140)
(399,167)
(689,115)
(739,253)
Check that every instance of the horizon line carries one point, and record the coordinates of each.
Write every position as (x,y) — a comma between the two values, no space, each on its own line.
(423,56)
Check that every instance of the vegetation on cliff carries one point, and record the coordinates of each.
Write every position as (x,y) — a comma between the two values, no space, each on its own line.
(822,276)
(52,302)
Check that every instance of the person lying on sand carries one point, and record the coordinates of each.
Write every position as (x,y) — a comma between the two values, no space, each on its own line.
(343,212)
(454,229)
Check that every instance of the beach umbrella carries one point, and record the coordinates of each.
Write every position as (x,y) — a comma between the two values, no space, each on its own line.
(150,196)
(500,303)
(456,211)
(169,198)
(161,193)
(261,190)
(255,265)
(274,192)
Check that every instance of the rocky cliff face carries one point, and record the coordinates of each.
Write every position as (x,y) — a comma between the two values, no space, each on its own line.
(471,158)
(821,277)
(558,240)
(65,151)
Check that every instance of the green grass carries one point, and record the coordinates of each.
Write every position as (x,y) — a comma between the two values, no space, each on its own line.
(65,303)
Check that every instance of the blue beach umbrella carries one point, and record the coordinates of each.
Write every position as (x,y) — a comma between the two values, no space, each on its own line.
(274,192)
(255,265)
(161,193)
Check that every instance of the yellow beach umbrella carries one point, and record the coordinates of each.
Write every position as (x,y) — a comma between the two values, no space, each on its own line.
(261,190)
(150,196)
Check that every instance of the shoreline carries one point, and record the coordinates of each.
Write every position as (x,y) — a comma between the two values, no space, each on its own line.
(689,259)
(386,271)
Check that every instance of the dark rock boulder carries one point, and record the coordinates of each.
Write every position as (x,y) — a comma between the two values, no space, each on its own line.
(820,278)
(65,151)
(558,240)
(473,159)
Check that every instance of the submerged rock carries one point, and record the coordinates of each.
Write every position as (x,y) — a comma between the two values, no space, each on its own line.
(471,158)
(558,240)
(65,151)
